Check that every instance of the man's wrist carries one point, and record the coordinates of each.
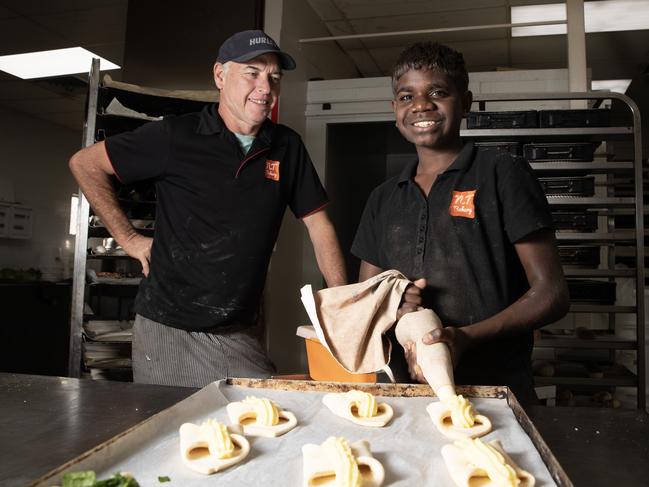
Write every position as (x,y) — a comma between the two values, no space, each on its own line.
(127,237)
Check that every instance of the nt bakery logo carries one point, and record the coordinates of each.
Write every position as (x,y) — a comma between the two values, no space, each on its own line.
(272,170)
(462,204)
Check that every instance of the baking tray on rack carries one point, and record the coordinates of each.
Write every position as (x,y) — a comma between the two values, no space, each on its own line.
(408,447)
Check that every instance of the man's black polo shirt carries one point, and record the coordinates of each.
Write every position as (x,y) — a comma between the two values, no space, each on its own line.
(218,213)
(461,240)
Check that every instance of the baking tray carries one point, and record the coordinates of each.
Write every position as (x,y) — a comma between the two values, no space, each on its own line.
(409,447)
(503,120)
(582,186)
(560,151)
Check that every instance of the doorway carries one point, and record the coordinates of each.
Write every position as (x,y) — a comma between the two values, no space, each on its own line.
(360,156)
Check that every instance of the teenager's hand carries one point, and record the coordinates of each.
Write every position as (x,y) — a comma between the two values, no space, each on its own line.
(455,338)
(411,298)
(413,368)
(139,247)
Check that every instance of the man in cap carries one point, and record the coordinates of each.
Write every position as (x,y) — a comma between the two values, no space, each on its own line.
(223,180)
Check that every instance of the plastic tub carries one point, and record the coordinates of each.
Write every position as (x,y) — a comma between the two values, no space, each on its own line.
(322,365)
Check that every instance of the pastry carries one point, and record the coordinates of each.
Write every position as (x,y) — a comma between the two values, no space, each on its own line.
(360,407)
(261,417)
(336,463)
(471,462)
(211,447)
(456,418)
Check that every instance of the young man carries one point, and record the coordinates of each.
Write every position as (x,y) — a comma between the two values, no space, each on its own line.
(472,226)
(223,180)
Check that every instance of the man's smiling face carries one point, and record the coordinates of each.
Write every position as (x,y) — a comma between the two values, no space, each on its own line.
(428,108)
(249,91)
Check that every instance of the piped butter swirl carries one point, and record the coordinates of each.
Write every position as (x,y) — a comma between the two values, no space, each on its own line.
(219,442)
(462,412)
(365,403)
(490,460)
(266,410)
(345,464)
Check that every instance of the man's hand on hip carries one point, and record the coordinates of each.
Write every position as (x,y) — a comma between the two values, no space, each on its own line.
(139,247)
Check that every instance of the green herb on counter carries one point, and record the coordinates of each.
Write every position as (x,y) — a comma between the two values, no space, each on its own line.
(163,478)
(79,479)
(89,479)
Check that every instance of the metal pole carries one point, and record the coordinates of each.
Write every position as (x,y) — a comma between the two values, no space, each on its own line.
(81,241)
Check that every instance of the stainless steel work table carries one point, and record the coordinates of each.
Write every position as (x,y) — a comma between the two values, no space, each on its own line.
(46,421)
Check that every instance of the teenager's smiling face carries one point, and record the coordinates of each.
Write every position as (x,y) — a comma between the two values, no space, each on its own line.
(429,108)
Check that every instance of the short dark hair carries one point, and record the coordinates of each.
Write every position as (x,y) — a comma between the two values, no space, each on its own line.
(433,56)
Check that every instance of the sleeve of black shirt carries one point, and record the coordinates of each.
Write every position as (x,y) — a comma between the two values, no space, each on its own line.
(305,191)
(525,206)
(366,241)
(141,153)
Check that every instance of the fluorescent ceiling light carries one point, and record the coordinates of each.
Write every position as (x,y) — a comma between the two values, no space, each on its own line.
(599,16)
(56,62)
(616,85)
(74,212)
(538,13)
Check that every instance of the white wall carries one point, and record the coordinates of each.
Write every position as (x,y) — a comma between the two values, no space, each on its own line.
(33,161)
(293,253)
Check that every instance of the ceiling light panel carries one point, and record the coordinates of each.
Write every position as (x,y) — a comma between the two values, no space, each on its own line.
(599,16)
(57,62)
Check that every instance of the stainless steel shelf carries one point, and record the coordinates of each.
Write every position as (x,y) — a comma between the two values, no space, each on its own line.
(601,308)
(102,232)
(622,380)
(628,252)
(621,242)
(599,342)
(109,256)
(596,237)
(617,211)
(591,167)
(547,132)
(590,202)
(574,272)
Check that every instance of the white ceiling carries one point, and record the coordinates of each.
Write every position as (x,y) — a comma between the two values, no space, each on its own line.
(35,25)
(610,55)
(100,26)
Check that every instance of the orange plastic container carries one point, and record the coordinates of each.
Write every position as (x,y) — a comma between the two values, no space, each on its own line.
(323,366)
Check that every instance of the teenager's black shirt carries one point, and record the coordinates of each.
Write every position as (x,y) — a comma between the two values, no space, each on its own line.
(461,239)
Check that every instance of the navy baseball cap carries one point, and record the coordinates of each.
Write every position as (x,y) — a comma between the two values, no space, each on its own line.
(248,44)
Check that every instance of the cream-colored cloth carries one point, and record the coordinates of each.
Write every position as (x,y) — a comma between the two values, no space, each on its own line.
(350,321)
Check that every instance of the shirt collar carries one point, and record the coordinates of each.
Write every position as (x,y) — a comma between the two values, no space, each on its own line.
(462,161)
(408,172)
(211,123)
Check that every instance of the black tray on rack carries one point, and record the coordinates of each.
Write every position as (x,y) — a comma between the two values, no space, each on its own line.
(560,151)
(569,185)
(590,117)
(503,120)
(579,255)
(574,220)
(514,148)
(590,291)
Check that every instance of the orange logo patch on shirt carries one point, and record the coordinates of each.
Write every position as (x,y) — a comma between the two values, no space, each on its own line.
(462,204)
(272,170)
